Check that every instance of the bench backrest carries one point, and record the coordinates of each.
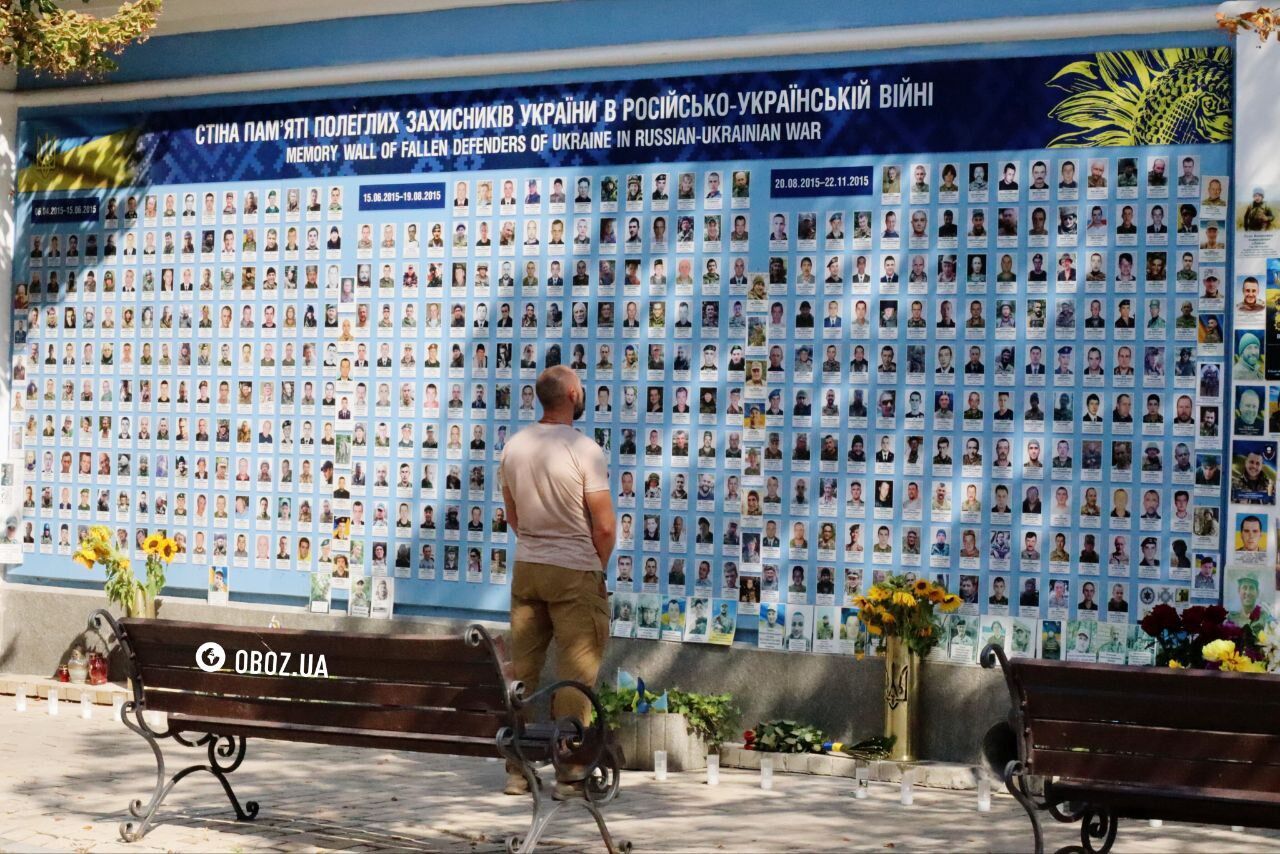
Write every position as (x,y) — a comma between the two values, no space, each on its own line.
(1193,728)
(404,692)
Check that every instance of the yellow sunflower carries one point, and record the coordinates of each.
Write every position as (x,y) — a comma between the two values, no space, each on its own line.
(151,545)
(1145,97)
(168,550)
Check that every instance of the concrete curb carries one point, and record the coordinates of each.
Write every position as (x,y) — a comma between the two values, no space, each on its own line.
(934,775)
(38,689)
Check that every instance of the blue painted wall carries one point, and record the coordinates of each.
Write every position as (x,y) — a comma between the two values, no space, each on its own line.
(578,23)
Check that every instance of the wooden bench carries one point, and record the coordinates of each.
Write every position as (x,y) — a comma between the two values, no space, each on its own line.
(1107,742)
(221,685)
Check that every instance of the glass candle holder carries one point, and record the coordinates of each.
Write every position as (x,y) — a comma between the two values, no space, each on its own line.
(766,772)
(864,785)
(907,795)
(53,702)
(713,769)
(660,765)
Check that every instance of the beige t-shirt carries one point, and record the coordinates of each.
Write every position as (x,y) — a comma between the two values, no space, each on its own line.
(548,469)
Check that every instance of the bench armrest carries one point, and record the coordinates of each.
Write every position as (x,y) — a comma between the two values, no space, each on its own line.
(991,655)
(574,744)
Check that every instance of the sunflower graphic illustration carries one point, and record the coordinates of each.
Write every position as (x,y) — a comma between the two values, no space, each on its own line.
(1145,97)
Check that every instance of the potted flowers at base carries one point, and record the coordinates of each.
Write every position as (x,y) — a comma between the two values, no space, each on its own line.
(685,724)
(903,610)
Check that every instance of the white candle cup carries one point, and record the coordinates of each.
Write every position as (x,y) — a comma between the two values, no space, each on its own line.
(20,699)
(766,772)
(86,706)
(713,769)
(1237,828)
(984,793)
(53,702)
(660,765)
(1156,822)
(864,787)
(907,795)
(117,703)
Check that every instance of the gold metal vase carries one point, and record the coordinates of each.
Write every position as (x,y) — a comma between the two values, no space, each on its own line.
(901,698)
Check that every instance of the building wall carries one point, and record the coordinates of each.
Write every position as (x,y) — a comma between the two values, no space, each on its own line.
(37,625)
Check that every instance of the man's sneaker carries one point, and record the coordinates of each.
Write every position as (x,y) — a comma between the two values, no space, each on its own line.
(516,785)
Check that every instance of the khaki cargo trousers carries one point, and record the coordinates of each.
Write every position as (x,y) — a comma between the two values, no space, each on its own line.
(570,607)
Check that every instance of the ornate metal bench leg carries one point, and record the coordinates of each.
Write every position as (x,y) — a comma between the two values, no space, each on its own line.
(544,809)
(622,846)
(225,755)
(132,831)
(1098,823)
(1014,782)
(230,747)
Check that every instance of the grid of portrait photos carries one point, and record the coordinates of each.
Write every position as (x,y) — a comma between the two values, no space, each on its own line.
(1001,371)
(1250,578)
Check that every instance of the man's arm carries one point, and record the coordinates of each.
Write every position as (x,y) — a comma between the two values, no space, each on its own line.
(601,516)
(510,505)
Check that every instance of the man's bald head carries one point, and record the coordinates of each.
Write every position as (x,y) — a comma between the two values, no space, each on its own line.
(556,388)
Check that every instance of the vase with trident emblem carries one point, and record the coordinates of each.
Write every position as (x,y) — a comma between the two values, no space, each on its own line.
(901,698)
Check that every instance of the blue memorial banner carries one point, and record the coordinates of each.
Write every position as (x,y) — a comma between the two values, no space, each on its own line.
(1020,103)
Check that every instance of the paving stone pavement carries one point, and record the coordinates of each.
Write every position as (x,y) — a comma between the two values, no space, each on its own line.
(65,784)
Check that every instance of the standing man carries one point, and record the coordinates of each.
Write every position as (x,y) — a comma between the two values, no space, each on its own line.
(555,485)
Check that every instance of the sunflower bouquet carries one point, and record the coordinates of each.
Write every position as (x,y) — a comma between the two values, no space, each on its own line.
(136,598)
(906,607)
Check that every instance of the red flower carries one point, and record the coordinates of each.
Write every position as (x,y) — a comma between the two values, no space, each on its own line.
(1192,618)
(1255,614)
(1215,614)
(1162,618)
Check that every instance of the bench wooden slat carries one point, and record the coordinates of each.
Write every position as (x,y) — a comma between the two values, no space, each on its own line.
(477,674)
(1151,681)
(367,691)
(447,722)
(1174,803)
(1185,713)
(1166,771)
(338,736)
(1210,746)
(415,648)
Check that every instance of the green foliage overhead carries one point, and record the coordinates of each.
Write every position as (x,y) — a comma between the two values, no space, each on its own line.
(40,36)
